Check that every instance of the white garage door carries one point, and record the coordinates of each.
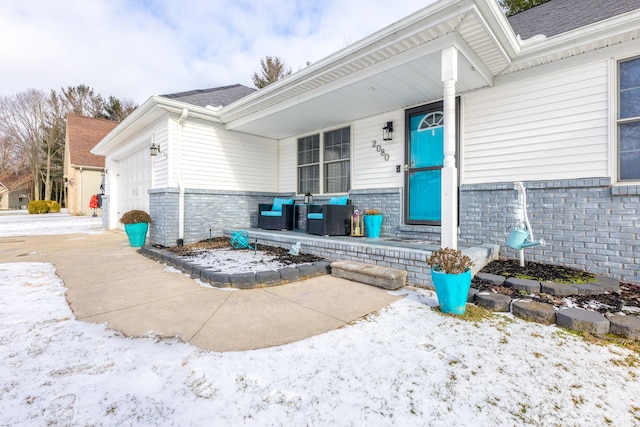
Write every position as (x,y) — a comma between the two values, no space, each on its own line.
(134,180)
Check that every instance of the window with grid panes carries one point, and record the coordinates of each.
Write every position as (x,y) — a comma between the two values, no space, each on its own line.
(629,120)
(309,164)
(337,160)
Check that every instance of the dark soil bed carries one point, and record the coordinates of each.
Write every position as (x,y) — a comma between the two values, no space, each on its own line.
(281,254)
(628,296)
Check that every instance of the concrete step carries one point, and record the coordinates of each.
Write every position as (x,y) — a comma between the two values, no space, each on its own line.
(375,275)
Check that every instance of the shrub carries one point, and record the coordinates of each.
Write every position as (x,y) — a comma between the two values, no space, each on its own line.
(135,216)
(54,207)
(450,261)
(38,207)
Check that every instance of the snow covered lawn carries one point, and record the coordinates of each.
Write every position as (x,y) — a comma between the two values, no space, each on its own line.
(406,365)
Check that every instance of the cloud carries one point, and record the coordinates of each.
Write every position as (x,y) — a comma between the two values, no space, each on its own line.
(135,49)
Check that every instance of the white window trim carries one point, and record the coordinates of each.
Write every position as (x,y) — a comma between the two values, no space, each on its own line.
(614,102)
(321,160)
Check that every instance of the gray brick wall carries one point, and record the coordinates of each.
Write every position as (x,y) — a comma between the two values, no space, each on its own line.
(205,211)
(388,200)
(163,208)
(105,212)
(586,223)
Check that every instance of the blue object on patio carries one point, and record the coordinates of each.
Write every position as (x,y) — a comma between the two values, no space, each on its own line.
(240,240)
(276,216)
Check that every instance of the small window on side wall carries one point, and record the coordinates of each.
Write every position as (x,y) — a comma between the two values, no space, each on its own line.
(309,164)
(628,120)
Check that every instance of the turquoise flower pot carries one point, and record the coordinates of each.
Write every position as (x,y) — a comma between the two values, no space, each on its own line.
(137,233)
(372,225)
(452,290)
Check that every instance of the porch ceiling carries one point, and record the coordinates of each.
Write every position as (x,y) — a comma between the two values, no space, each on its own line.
(395,68)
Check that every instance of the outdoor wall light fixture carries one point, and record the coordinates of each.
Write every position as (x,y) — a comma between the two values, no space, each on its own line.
(387,132)
(308,199)
(155,149)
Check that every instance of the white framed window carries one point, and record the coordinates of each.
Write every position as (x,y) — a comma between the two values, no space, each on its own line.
(333,153)
(628,120)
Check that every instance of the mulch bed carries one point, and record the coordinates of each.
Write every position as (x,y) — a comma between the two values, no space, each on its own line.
(628,295)
(281,255)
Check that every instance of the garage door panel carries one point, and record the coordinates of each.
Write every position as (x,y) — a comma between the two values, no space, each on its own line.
(134,182)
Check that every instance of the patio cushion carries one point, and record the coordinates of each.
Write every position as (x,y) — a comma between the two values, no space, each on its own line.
(271,213)
(338,200)
(277,203)
(316,215)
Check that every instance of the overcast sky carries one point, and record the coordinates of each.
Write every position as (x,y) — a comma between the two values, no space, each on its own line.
(138,48)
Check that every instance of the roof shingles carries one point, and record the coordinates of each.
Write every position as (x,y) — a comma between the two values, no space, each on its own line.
(559,16)
(83,134)
(215,97)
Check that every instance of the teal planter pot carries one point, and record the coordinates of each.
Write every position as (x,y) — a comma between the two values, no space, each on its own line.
(372,225)
(452,290)
(137,233)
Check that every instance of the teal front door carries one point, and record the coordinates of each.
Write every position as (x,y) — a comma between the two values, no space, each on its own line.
(425,158)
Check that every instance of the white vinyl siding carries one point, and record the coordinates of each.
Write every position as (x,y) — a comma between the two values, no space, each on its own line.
(213,158)
(160,136)
(553,126)
(288,166)
(369,166)
(369,169)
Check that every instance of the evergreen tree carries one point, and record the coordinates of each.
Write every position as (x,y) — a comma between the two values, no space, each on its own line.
(511,7)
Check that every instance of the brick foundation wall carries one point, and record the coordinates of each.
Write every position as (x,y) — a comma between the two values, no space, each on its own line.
(587,224)
(204,210)
(388,200)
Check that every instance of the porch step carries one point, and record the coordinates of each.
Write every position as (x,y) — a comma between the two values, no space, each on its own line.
(375,275)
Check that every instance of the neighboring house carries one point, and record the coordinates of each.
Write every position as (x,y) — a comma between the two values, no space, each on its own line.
(477,101)
(15,192)
(83,171)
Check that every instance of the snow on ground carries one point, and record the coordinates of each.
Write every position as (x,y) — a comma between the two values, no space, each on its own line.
(406,365)
(21,223)
(231,260)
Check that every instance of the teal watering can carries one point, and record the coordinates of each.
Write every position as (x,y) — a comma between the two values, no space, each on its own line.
(518,239)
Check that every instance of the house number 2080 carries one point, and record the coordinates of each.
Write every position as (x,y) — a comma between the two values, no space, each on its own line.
(380,150)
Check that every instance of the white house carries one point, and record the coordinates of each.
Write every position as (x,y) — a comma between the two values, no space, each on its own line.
(549,97)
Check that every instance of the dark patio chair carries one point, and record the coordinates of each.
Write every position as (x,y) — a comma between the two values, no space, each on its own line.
(276,216)
(331,219)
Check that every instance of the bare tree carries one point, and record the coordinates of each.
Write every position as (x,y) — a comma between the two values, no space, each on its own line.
(273,69)
(83,101)
(53,142)
(23,117)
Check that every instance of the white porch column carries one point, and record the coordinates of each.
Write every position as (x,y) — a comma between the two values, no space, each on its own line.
(449,208)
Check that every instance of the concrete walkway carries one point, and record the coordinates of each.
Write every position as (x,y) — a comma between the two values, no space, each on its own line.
(108,281)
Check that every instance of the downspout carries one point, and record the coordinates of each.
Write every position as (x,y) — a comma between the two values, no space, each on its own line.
(181,122)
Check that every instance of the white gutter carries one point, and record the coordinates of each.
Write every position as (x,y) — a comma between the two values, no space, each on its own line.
(181,121)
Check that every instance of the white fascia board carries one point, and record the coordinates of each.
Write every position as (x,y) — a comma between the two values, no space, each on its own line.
(426,49)
(435,13)
(149,111)
(462,46)
(497,25)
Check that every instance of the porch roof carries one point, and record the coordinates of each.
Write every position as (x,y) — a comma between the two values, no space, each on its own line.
(395,68)
(400,66)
